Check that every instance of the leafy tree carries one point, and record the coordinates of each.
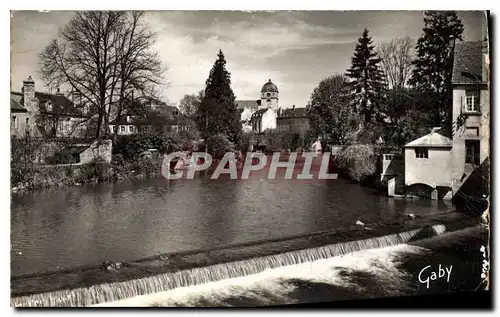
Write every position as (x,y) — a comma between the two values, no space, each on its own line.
(409,116)
(368,80)
(218,145)
(217,112)
(358,161)
(189,104)
(433,66)
(329,113)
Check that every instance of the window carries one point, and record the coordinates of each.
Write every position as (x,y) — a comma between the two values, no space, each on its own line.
(13,122)
(422,153)
(131,129)
(268,94)
(122,128)
(471,101)
(113,128)
(268,100)
(472,152)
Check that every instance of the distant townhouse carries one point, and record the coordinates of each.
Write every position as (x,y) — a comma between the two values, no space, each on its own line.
(142,120)
(41,114)
(292,119)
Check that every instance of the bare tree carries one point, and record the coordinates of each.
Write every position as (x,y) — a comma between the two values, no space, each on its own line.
(397,56)
(105,56)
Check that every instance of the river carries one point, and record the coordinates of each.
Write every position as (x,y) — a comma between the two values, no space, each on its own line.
(71,226)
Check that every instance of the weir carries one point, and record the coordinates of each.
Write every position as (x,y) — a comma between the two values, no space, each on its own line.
(108,292)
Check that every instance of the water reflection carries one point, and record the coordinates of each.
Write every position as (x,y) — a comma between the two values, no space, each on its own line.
(133,219)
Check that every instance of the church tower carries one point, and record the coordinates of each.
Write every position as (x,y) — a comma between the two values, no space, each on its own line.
(269,96)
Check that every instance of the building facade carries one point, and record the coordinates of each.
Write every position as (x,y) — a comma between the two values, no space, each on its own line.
(266,113)
(40,114)
(445,163)
(161,118)
(260,115)
(471,109)
(293,120)
(428,161)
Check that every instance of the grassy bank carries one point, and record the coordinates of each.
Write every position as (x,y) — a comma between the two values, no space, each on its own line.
(41,176)
(37,164)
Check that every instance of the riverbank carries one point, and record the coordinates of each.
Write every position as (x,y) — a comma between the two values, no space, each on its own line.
(97,171)
(85,277)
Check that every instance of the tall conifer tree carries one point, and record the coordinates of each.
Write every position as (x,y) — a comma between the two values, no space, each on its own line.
(367,81)
(217,112)
(433,66)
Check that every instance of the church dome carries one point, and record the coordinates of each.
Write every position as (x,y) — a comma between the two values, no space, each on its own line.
(269,87)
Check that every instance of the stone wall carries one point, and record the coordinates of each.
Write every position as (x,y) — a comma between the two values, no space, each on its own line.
(392,166)
(102,149)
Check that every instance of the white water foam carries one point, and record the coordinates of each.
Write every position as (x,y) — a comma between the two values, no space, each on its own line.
(112,292)
(271,287)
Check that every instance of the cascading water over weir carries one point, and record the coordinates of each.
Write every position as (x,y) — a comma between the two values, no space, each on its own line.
(109,292)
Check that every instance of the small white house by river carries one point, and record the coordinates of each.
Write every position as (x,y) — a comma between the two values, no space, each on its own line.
(428,161)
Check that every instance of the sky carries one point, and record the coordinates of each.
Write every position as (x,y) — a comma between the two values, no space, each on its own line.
(295,49)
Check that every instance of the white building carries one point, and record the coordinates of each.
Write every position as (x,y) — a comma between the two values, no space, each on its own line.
(445,164)
(260,115)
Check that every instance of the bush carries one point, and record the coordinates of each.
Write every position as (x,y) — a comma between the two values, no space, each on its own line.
(95,170)
(219,145)
(130,147)
(246,141)
(358,161)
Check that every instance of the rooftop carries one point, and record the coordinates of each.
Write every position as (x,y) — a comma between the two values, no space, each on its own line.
(293,113)
(433,139)
(468,63)
(16,106)
(269,87)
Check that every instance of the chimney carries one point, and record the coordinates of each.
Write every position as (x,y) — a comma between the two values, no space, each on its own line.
(293,107)
(30,101)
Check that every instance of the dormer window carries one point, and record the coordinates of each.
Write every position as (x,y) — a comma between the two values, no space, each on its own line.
(471,101)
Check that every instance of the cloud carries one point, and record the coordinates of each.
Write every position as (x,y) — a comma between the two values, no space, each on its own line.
(248,45)
(296,49)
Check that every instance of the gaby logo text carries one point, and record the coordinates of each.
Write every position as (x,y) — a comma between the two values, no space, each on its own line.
(241,168)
